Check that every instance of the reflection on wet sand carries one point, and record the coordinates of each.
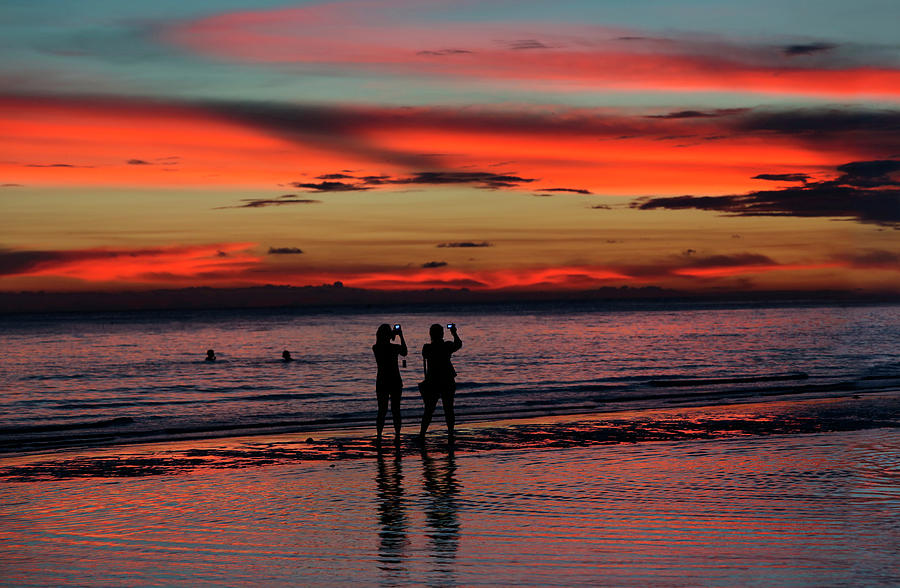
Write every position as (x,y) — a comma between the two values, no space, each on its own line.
(393,519)
(441,514)
(776,510)
(438,501)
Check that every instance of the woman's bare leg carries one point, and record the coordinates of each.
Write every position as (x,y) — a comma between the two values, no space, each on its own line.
(449,414)
(382,413)
(395,414)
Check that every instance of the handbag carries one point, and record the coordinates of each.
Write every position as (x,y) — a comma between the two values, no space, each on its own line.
(428,391)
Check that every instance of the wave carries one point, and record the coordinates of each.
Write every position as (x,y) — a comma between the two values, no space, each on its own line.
(492,400)
(53,377)
(83,404)
(53,427)
(882,377)
(632,388)
(675,381)
(705,423)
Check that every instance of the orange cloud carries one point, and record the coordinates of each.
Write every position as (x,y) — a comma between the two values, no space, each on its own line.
(97,141)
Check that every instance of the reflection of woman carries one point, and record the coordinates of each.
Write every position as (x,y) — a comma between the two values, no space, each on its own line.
(440,377)
(441,511)
(388,385)
(392,516)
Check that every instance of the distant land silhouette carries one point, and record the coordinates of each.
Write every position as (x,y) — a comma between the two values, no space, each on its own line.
(338,295)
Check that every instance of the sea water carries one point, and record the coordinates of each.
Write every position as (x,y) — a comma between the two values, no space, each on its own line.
(73,379)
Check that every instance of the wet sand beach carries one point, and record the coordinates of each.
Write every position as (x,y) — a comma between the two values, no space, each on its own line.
(788,493)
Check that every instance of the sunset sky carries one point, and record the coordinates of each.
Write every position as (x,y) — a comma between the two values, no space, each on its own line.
(700,145)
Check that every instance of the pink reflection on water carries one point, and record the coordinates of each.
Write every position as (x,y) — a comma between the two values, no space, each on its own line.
(779,510)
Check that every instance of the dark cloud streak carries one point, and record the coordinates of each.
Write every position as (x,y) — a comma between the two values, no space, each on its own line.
(263,202)
(869,174)
(527,44)
(465,244)
(329,186)
(443,52)
(487,180)
(62,165)
(339,176)
(484,179)
(572,190)
(807,49)
(681,114)
(782,177)
(865,192)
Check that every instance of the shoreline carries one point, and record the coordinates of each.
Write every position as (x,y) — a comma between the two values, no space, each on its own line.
(849,411)
(125,431)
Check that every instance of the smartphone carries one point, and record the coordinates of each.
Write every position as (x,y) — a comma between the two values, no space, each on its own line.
(397,327)
(451,325)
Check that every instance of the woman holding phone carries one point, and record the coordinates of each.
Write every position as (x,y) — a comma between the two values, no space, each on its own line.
(388,384)
(440,377)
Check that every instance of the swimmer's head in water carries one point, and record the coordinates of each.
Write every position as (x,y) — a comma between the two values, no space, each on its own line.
(286,355)
(210,355)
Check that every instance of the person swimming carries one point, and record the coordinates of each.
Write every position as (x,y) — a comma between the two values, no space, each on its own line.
(210,355)
(286,356)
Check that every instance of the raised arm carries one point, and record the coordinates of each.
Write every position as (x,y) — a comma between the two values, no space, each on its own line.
(403,349)
(457,342)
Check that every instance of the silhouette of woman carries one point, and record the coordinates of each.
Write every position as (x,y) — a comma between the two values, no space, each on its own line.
(440,377)
(388,384)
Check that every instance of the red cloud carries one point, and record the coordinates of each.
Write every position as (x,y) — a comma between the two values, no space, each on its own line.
(231,264)
(162,264)
(352,36)
(725,271)
(672,272)
(525,278)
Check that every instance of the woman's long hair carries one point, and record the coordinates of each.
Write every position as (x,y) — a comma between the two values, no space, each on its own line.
(383,334)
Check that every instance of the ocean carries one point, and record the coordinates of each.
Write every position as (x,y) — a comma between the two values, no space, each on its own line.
(72,380)
(597,445)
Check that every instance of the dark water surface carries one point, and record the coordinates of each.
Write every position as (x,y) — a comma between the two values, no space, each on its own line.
(71,380)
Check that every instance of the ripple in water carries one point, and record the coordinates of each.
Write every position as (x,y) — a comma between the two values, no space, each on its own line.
(794,510)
